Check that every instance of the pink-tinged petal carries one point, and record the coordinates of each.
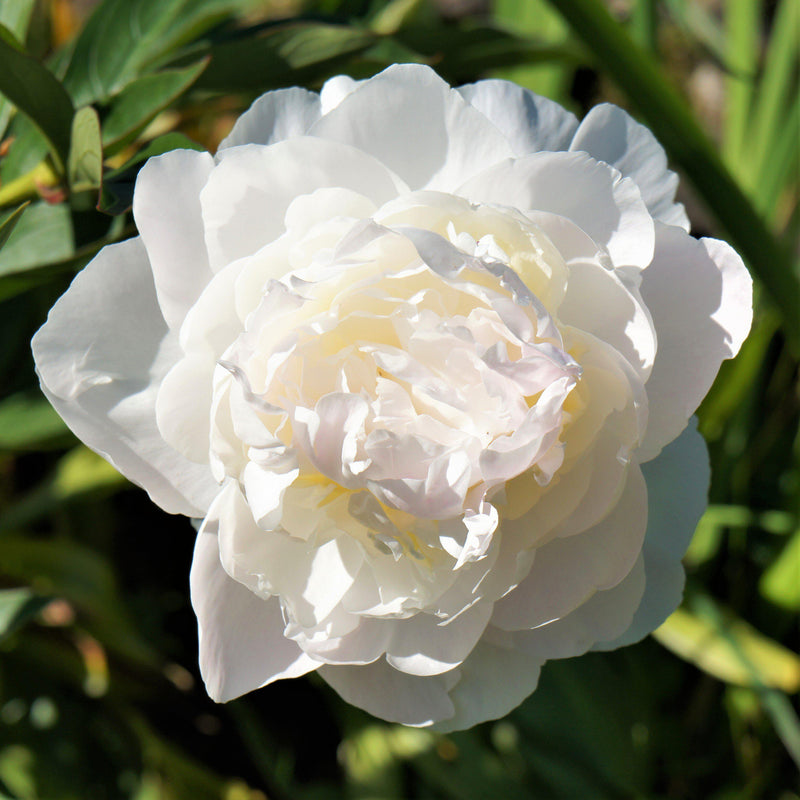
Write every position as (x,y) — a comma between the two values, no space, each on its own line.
(242,646)
(250,190)
(451,140)
(601,618)
(530,122)
(610,134)
(101,357)
(275,116)
(608,207)
(568,571)
(699,294)
(166,208)
(495,678)
(677,489)
(393,695)
(425,645)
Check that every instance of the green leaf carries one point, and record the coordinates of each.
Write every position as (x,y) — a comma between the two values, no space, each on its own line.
(17,606)
(673,124)
(29,422)
(296,53)
(42,236)
(123,40)
(780,583)
(36,92)
(9,222)
(729,649)
(16,16)
(85,166)
(143,98)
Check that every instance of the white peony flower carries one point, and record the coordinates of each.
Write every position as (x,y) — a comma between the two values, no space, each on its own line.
(422,359)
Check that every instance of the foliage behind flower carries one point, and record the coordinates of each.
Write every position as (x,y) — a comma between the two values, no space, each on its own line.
(423,360)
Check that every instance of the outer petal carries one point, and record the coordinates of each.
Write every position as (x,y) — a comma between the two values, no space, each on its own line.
(166,207)
(677,487)
(451,140)
(392,695)
(593,195)
(242,646)
(700,297)
(250,190)
(610,134)
(567,571)
(495,679)
(529,121)
(101,357)
(275,116)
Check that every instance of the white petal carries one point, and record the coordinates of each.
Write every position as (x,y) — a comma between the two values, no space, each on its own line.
(335,89)
(424,645)
(677,488)
(529,121)
(425,132)
(101,356)
(608,207)
(699,294)
(610,134)
(242,646)
(597,301)
(567,571)
(495,679)
(166,208)
(392,695)
(275,116)
(249,191)
(600,619)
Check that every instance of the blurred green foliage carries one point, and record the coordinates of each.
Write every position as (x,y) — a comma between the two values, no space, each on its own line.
(99,693)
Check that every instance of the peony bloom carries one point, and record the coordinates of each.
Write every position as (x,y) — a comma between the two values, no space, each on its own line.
(423,361)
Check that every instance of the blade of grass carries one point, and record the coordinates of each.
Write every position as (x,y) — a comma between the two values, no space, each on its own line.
(672,122)
(743,22)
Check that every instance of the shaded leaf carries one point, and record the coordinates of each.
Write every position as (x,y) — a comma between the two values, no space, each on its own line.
(9,222)
(17,606)
(37,93)
(296,53)
(28,421)
(16,16)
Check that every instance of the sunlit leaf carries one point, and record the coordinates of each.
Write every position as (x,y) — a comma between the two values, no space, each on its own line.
(780,583)
(9,222)
(143,98)
(730,649)
(85,166)
(42,236)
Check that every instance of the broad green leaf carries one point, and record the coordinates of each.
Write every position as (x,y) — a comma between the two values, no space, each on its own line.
(296,53)
(28,421)
(42,236)
(28,149)
(16,16)
(9,222)
(398,13)
(37,93)
(780,583)
(17,606)
(729,649)
(124,40)
(85,166)
(143,98)
(672,122)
